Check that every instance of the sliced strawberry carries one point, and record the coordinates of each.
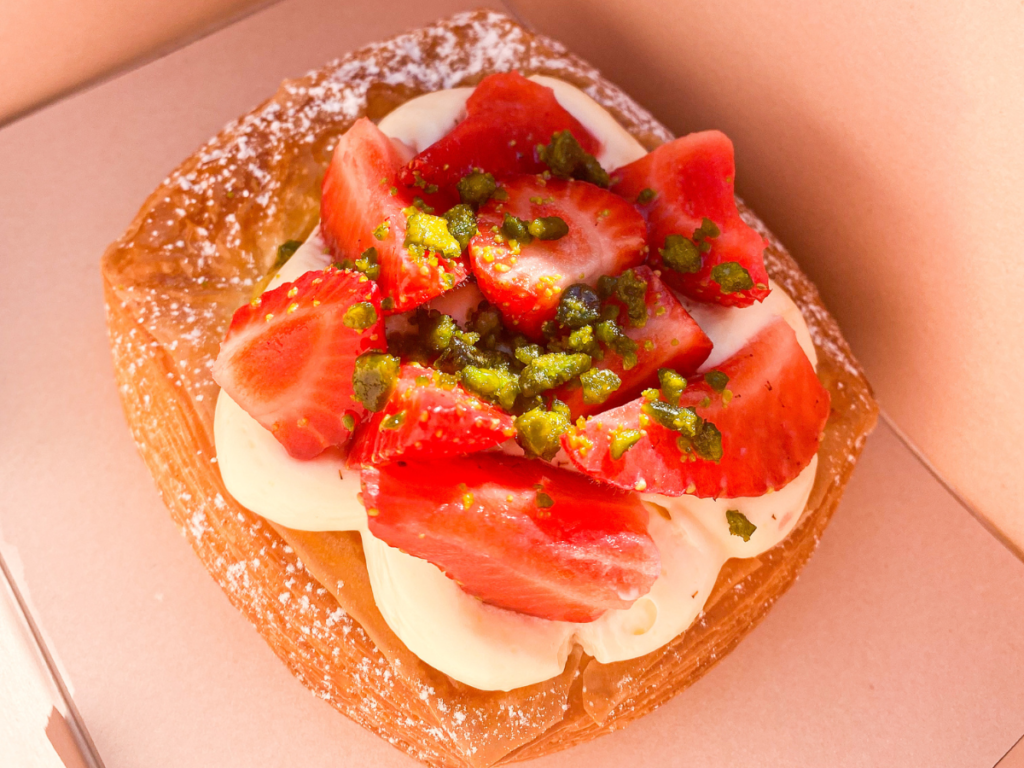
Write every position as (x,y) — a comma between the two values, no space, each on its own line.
(692,179)
(507,116)
(430,416)
(288,357)
(525,280)
(517,533)
(770,428)
(362,209)
(669,338)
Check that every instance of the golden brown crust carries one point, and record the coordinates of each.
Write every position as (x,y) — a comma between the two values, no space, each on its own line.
(192,255)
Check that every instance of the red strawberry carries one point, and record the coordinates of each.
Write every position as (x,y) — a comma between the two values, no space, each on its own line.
(361,209)
(692,179)
(507,116)
(517,533)
(525,280)
(669,338)
(288,357)
(429,416)
(770,428)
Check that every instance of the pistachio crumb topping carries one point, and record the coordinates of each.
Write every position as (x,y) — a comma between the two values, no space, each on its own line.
(539,431)
(566,159)
(622,440)
(360,316)
(739,525)
(374,378)
(476,188)
(598,385)
(732,277)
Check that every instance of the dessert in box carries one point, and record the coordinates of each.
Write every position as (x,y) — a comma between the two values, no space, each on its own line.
(507,344)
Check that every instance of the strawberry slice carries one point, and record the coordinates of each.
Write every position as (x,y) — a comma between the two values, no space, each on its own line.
(428,416)
(770,428)
(685,189)
(361,209)
(525,280)
(517,533)
(507,116)
(668,338)
(288,357)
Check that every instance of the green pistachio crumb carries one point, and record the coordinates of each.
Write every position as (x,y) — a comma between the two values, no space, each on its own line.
(672,385)
(706,231)
(514,228)
(606,286)
(360,316)
(431,232)
(612,336)
(436,330)
(731,277)
(348,421)
(420,182)
(708,442)
(461,223)
(528,352)
(559,407)
(539,431)
(631,290)
(566,159)
(579,305)
(624,439)
(374,378)
(366,263)
(492,384)
(549,228)
(582,340)
(544,501)
(382,230)
(646,195)
(680,254)
(598,385)
(682,420)
(387,303)
(394,421)
(285,251)
(552,370)
(716,380)
(739,525)
(476,188)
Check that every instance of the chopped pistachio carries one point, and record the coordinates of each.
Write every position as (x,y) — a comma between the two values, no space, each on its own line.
(708,442)
(623,439)
(419,181)
(732,277)
(539,431)
(582,340)
(551,370)
(528,352)
(549,228)
(568,160)
(436,330)
(598,385)
(516,229)
(706,231)
(382,230)
(606,286)
(559,407)
(578,306)
(672,385)
(476,188)
(716,380)
(631,290)
(285,251)
(682,420)
(739,525)
(374,378)
(680,254)
(429,231)
(646,195)
(544,501)
(461,223)
(492,384)
(360,316)
(348,421)
(611,335)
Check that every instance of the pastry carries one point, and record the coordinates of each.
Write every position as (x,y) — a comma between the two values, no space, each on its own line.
(197,250)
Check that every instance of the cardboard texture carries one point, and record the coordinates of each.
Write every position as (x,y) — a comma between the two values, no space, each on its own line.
(900,645)
(50,47)
(881,143)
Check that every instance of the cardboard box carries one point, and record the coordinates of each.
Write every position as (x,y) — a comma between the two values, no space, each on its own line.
(900,644)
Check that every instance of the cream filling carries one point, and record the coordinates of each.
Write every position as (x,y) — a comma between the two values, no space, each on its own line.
(477,644)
